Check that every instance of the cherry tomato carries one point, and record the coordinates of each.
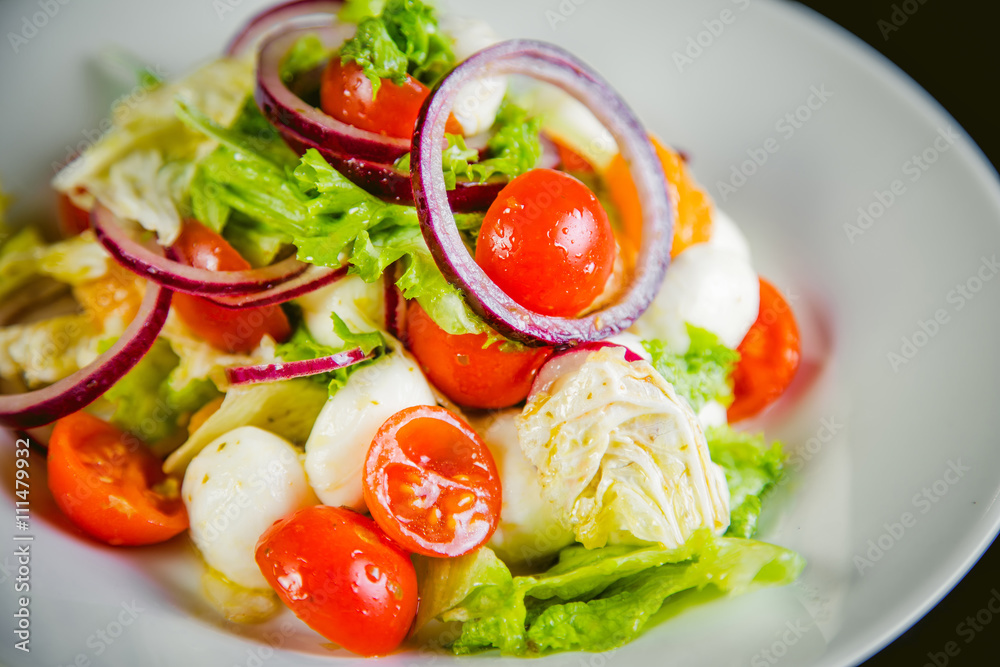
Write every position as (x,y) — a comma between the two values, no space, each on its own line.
(465,371)
(769,356)
(110,485)
(72,219)
(342,576)
(224,328)
(546,242)
(431,484)
(346,94)
(570,160)
(692,207)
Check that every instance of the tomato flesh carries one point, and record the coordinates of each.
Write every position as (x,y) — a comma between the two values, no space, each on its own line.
(73,220)
(465,371)
(346,94)
(546,242)
(110,485)
(226,329)
(431,484)
(691,206)
(339,573)
(769,356)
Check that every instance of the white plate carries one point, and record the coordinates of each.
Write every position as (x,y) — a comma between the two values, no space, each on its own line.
(871,438)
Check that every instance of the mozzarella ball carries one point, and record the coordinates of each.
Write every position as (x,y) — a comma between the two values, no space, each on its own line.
(477,104)
(727,236)
(708,287)
(235,488)
(343,432)
(358,303)
(712,414)
(529,531)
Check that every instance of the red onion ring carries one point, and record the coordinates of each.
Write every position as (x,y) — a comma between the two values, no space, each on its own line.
(395,304)
(149,264)
(43,406)
(388,184)
(285,109)
(309,280)
(294,369)
(551,64)
(271,18)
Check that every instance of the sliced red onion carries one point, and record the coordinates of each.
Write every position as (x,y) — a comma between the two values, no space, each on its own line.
(150,264)
(274,17)
(395,304)
(391,185)
(309,280)
(285,109)
(551,64)
(294,369)
(43,406)
(569,361)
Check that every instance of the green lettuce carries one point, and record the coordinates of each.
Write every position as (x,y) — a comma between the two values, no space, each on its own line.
(591,599)
(327,217)
(702,373)
(355,11)
(146,403)
(752,469)
(302,346)
(24,256)
(514,148)
(403,39)
(287,408)
(307,53)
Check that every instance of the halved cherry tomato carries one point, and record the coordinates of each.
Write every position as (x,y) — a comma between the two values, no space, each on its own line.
(110,485)
(431,484)
(342,576)
(224,328)
(692,207)
(769,356)
(73,220)
(346,94)
(546,242)
(465,371)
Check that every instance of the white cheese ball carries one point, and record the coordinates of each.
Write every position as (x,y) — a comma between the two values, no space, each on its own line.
(708,287)
(343,432)
(727,236)
(477,104)
(358,303)
(529,531)
(235,488)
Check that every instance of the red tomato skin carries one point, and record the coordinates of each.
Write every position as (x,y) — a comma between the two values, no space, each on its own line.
(546,241)
(346,94)
(431,483)
(339,573)
(102,479)
(769,356)
(73,220)
(464,371)
(232,330)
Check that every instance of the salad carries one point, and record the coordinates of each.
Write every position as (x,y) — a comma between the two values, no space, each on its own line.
(412,330)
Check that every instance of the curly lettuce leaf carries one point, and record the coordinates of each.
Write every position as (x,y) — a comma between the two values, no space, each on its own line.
(142,167)
(355,11)
(702,373)
(514,148)
(287,408)
(144,401)
(306,54)
(752,469)
(404,39)
(592,599)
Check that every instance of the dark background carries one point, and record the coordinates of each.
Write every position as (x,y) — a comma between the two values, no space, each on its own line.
(951,48)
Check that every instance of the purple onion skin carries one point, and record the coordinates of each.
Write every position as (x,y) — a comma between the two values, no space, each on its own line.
(294,369)
(553,65)
(293,289)
(388,184)
(275,16)
(44,406)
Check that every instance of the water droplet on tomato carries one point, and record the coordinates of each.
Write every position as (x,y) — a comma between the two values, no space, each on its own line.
(374,574)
